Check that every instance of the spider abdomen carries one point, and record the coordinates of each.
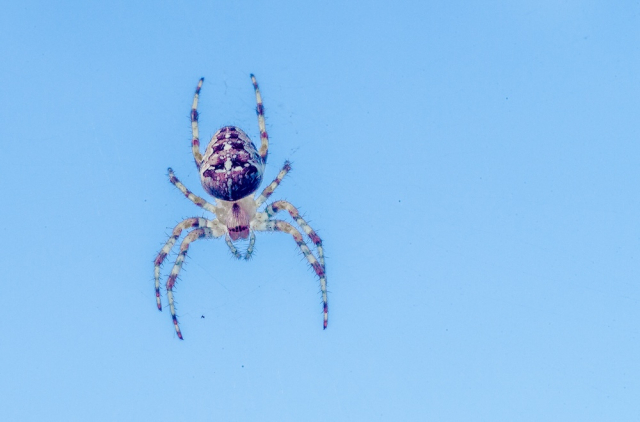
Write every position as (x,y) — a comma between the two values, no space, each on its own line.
(231,167)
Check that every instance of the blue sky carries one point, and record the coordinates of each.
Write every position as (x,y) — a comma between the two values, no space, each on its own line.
(472,169)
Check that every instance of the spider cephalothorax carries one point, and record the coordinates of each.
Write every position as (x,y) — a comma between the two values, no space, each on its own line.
(230,171)
(237,216)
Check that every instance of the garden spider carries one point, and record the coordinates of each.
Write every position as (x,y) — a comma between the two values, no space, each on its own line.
(231,170)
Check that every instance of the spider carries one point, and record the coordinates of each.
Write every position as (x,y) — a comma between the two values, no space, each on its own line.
(231,171)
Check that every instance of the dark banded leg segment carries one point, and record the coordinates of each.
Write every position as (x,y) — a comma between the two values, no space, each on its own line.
(195,140)
(264,137)
(203,232)
(266,193)
(278,206)
(190,196)
(283,226)
(185,224)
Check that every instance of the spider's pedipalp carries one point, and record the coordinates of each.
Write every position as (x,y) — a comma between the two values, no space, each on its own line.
(234,251)
(264,137)
(283,226)
(211,231)
(252,242)
(194,222)
(266,193)
(195,140)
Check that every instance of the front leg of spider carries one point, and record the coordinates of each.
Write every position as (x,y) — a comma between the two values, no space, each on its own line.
(231,170)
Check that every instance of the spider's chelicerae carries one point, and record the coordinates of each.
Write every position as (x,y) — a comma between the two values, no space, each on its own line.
(231,171)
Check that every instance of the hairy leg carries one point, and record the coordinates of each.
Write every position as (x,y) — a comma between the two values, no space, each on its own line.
(266,193)
(195,140)
(185,224)
(278,206)
(192,197)
(264,137)
(283,226)
(203,232)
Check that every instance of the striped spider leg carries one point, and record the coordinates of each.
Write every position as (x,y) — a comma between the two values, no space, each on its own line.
(283,226)
(264,222)
(231,170)
(212,230)
(277,206)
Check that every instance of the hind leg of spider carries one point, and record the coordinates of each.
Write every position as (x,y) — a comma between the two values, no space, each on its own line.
(266,193)
(194,222)
(278,206)
(283,226)
(203,232)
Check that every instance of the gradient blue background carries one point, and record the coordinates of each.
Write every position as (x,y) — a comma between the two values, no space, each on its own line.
(472,168)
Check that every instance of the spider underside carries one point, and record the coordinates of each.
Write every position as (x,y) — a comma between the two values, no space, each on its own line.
(231,171)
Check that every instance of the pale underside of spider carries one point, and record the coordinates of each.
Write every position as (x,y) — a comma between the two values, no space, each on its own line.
(231,171)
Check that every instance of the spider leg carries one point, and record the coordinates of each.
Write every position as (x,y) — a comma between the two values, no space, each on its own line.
(192,197)
(278,206)
(204,232)
(264,137)
(283,226)
(195,141)
(266,193)
(185,224)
